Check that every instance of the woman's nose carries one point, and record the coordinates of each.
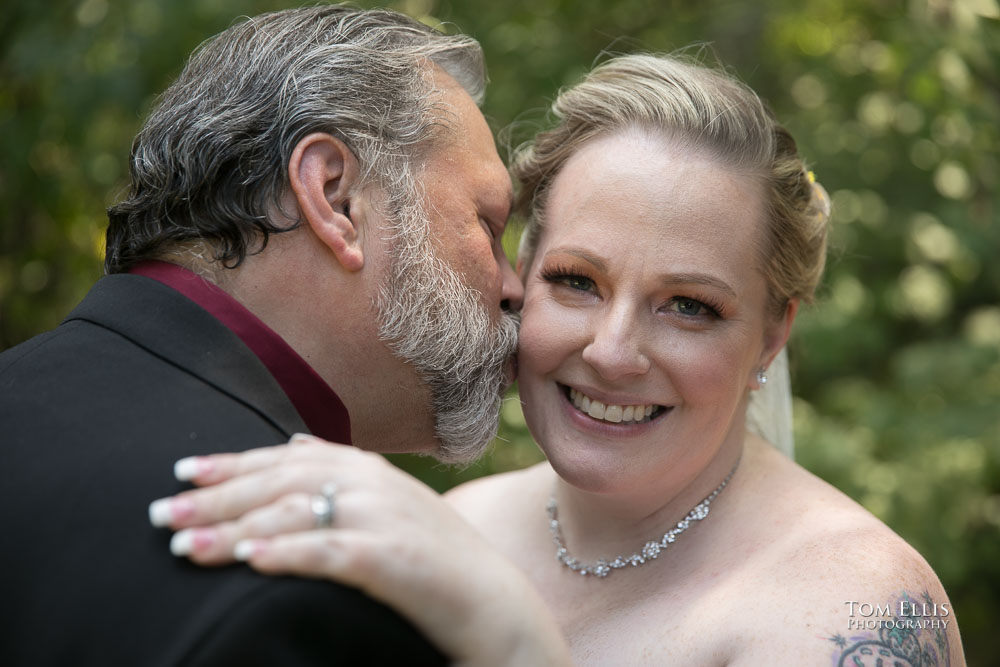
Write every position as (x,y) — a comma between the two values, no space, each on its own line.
(615,348)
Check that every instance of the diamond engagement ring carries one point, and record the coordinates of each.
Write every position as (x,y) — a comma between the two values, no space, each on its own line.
(321,505)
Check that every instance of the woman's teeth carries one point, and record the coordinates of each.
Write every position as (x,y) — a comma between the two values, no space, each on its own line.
(613,413)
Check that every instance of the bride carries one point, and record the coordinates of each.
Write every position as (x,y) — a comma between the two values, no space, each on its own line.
(673,233)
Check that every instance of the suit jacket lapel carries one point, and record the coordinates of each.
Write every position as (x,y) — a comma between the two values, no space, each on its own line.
(174,328)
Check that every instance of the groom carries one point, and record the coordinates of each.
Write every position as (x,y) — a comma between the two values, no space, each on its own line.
(310,242)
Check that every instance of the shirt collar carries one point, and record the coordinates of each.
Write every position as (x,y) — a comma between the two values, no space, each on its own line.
(319,406)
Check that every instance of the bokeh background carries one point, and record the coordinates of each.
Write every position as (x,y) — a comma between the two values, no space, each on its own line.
(896,103)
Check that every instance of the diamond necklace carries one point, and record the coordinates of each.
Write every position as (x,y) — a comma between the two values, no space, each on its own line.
(650,551)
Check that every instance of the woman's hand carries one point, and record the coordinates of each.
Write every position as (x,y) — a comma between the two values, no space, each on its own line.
(391,536)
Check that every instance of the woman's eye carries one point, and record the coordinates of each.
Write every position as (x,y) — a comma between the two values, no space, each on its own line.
(566,278)
(578,283)
(690,307)
(571,280)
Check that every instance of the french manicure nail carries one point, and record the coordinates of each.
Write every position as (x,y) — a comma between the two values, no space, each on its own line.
(245,549)
(182,543)
(159,512)
(165,511)
(190,540)
(188,468)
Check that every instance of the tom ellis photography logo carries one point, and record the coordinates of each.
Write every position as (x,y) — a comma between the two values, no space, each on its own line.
(908,631)
(907,614)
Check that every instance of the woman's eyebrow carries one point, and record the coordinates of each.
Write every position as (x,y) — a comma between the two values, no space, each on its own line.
(666,279)
(590,258)
(697,279)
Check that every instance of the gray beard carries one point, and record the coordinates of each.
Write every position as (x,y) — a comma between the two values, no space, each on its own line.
(431,319)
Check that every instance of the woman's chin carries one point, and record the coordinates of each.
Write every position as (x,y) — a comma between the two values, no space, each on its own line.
(597,474)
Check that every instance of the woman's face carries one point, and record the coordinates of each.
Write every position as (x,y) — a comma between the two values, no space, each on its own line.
(644,318)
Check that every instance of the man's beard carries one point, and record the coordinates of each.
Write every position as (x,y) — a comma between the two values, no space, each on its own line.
(431,319)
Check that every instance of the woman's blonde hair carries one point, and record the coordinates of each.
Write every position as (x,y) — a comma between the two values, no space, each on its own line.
(706,109)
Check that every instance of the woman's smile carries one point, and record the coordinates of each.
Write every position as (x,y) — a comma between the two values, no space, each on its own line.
(636,413)
(626,415)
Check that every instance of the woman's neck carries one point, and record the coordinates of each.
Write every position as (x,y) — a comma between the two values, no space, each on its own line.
(605,525)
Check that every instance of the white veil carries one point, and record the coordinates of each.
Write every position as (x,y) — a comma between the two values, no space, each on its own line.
(769,413)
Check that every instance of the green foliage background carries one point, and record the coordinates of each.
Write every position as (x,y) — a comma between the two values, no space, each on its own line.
(896,103)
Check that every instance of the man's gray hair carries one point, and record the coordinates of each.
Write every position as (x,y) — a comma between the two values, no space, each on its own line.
(211,161)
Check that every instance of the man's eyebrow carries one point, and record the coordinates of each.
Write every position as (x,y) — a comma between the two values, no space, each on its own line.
(505,207)
(509,201)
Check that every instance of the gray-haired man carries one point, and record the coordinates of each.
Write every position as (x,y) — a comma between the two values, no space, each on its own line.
(311,242)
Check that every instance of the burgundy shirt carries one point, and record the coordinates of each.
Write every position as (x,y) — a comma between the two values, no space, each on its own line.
(318,405)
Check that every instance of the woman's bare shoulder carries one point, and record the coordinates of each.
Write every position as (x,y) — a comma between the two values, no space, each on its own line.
(851,591)
(837,582)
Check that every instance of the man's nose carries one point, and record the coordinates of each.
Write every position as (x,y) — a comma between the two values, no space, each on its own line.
(512,291)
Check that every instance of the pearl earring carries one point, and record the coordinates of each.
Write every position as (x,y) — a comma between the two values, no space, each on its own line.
(761,377)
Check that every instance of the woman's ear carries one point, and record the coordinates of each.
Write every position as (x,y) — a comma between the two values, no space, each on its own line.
(322,173)
(776,335)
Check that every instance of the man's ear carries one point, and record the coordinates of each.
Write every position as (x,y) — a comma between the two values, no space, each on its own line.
(775,336)
(322,173)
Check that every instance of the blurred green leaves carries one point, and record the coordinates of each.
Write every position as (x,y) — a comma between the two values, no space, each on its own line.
(895,103)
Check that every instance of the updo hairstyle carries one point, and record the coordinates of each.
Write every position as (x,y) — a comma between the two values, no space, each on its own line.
(706,109)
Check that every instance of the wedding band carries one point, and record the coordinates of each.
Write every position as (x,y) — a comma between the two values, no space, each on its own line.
(322,506)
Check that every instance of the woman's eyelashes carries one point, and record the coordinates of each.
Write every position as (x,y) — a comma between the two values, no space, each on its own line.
(574,281)
(568,278)
(694,307)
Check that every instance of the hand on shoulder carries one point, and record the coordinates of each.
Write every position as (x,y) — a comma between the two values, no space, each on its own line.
(386,534)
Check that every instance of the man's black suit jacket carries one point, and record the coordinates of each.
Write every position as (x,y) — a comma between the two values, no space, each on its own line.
(92,417)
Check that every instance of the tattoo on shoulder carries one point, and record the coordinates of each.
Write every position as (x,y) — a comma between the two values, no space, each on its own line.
(910,631)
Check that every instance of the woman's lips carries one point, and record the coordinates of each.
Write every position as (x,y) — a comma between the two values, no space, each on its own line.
(612,413)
